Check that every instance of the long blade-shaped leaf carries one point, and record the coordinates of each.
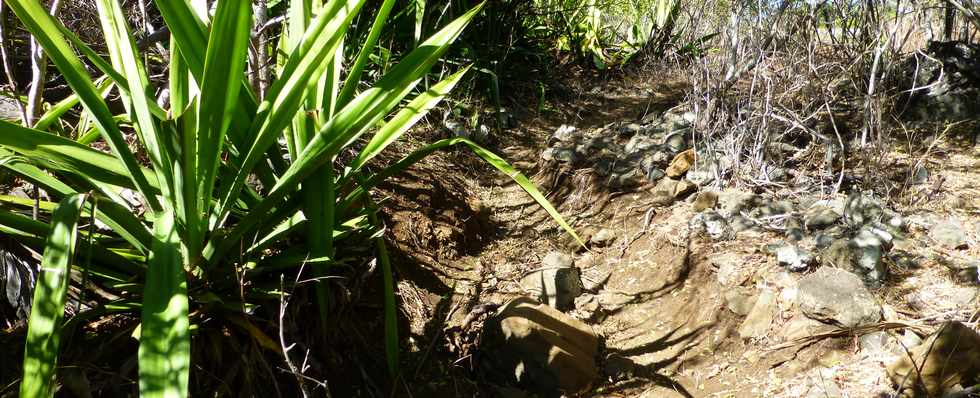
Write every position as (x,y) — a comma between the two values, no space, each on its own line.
(357,69)
(45,29)
(369,107)
(123,49)
(164,353)
(406,118)
(118,217)
(490,157)
(225,60)
(63,154)
(285,96)
(44,330)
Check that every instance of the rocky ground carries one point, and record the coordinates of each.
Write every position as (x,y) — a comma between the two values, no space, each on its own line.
(689,287)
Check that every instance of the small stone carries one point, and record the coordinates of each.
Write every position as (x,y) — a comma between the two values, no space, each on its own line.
(565,133)
(684,188)
(711,224)
(860,209)
(820,217)
(603,238)
(775,208)
(875,343)
(739,301)
(557,283)
(757,322)
(794,229)
(839,297)
(676,142)
(949,233)
(630,129)
(732,203)
(557,260)
(640,143)
(920,175)
(681,163)
(655,174)
(705,200)
(794,258)
(894,222)
(564,155)
(618,367)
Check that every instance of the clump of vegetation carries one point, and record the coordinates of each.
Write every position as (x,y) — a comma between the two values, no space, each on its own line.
(194,210)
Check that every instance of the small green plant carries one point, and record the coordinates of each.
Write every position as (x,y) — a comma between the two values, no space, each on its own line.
(219,195)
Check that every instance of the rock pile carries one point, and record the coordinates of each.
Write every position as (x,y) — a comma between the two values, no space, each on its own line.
(626,155)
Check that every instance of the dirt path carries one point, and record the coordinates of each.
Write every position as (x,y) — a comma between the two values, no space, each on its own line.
(680,313)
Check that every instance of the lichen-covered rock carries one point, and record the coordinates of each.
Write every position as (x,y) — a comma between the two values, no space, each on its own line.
(839,297)
(539,349)
(861,255)
(949,233)
(820,217)
(860,209)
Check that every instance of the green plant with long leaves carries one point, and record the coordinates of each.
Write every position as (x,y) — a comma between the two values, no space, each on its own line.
(227,178)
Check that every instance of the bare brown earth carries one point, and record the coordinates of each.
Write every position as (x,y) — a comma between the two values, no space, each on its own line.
(466,236)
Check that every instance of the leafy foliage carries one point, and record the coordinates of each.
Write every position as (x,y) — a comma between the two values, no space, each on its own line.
(229,173)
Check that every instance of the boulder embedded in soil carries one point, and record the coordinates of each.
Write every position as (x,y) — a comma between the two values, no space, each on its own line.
(539,349)
(860,209)
(950,357)
(556,283)
(839,297)
(861,255)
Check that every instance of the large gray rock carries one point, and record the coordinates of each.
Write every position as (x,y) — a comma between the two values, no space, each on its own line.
(949,233)
(539,349)
(839,297)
